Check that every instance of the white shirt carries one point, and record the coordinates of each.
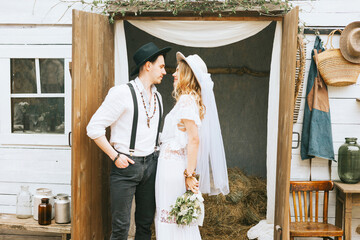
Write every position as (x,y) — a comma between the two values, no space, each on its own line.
(117,111)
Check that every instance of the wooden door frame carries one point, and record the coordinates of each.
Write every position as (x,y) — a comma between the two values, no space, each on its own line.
(286,112)
(285,120)
(92,76)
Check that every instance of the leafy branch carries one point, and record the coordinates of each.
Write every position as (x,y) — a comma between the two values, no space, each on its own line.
(175,7)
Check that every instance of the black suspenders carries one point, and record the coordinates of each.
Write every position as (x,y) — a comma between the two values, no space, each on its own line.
(135,121)
(159,124)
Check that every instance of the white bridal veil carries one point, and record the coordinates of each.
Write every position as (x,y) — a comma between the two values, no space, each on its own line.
(211,162)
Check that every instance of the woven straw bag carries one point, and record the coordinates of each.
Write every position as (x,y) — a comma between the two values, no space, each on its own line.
(334,68)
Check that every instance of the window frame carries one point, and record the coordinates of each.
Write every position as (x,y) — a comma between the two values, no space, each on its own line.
(8,52)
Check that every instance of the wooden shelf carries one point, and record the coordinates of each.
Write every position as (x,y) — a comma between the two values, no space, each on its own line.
(348,188)
(10,222)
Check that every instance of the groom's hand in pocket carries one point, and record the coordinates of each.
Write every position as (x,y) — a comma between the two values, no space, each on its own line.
(123,161)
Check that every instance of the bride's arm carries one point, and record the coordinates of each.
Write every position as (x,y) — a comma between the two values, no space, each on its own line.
(192,151)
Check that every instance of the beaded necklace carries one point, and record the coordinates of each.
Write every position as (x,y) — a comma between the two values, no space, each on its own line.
(147,114)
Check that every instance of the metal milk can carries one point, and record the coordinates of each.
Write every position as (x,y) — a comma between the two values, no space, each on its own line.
(39,194)
(62,208)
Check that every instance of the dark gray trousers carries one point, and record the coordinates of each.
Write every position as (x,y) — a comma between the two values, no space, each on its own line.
(137,179)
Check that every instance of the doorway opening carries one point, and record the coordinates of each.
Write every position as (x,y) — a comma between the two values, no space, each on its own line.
(242,102)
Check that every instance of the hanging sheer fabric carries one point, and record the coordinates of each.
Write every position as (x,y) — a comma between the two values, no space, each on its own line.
(211,161)
(201,33)
(186,33)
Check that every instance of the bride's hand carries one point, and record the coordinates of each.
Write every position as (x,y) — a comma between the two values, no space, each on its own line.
(192,184)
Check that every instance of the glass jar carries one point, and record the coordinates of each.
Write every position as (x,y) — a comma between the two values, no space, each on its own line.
(24,203)
(44,212)
(349,161)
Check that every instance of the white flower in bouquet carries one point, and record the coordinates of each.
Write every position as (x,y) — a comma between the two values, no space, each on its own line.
(193,197)
(183,210)
(188,209)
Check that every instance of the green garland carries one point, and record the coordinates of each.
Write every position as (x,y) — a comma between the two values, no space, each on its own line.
(137,7)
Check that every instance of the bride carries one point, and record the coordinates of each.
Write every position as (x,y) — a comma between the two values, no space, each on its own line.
(191,140)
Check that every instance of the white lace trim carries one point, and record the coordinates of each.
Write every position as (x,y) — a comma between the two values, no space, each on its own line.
(174,152)
(176,136)
(186,108)
(164,217)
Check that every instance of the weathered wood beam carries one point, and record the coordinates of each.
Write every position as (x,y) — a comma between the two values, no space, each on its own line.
(192,12)
(231,70)
(200,18)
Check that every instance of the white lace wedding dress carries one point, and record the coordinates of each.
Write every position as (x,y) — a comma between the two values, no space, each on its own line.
(170,181)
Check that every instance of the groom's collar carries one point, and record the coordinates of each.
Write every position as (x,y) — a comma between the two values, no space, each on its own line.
(141,86)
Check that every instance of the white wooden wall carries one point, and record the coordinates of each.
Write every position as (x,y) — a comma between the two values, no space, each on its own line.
(40,23)
(345,111)
(40,12)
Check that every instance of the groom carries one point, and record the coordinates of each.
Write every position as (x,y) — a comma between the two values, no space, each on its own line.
(133,111)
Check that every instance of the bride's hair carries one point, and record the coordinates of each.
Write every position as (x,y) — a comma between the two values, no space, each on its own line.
(188,84)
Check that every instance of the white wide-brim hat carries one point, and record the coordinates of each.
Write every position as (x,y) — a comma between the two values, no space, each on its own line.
(350,42)
(196,64)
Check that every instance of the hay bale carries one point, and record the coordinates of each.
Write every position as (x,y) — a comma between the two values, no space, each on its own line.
(230,217)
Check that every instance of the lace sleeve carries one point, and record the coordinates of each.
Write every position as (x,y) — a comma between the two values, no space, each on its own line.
(186,108)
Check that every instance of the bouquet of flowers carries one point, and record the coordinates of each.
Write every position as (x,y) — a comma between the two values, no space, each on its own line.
(188,209)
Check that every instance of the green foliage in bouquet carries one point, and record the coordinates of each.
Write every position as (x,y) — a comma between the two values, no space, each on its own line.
(186,209)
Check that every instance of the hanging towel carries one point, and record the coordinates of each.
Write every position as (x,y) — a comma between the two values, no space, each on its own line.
(316,139)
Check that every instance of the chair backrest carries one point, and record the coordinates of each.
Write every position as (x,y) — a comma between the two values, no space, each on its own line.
(302,188)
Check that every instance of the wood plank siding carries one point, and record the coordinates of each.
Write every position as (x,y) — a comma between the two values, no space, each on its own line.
(344,108)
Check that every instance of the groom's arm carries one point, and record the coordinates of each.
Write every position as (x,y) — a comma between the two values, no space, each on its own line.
(104,145)
(109,111)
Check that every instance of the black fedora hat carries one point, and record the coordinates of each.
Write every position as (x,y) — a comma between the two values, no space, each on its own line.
(146,52)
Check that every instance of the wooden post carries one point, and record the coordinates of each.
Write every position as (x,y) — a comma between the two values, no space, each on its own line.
(348,216)
(286,105)
(339,209)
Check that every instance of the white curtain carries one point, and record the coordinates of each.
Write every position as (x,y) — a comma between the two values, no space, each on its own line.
(215,34)
(273,118)
(186,33)
(264,230)
(121,60)
(201,33)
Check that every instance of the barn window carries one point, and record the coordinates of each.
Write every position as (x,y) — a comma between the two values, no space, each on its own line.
(37,96)
(35,92)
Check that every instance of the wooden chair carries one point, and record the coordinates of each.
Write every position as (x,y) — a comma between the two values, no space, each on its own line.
(306,224)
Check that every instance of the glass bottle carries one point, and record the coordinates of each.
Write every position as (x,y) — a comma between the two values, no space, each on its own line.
(44,217)
(23,203)
(349,161)
(39,194)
